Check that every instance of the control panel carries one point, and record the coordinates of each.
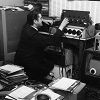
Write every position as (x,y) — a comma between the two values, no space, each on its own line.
(80,24)
(77,18)
(79,32)
(73,31)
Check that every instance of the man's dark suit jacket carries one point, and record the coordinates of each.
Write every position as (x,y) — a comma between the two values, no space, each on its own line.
(31,52)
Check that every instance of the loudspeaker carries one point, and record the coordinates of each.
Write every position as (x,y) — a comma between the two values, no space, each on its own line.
(92,65)
(91,68)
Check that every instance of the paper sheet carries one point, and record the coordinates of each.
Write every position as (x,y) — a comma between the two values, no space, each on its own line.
(63,83)
(21,92)
(11,68)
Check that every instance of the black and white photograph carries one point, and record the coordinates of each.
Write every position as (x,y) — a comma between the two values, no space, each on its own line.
(49,49)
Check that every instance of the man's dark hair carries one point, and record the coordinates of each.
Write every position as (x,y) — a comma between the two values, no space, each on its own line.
(33,15)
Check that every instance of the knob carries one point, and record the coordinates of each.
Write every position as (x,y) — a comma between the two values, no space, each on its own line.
(69,31)
(78,32)
(74,32)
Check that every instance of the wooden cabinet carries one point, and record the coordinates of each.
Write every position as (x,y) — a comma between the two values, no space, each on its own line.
(11,23)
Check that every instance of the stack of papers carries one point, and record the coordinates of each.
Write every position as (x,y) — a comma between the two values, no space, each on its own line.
(64,83)
(12,74)
(20,93)
(10,69)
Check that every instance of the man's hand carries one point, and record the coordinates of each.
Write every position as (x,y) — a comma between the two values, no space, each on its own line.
(64,23)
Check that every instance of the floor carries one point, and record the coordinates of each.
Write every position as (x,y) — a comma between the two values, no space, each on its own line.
(92,93)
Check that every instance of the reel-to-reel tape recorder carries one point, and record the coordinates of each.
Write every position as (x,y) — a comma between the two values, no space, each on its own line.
(80,24)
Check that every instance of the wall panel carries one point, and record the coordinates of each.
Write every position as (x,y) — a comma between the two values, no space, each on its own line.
(11,2)
(56,7)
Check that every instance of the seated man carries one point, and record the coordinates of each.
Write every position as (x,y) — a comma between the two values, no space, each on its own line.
(30,53)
